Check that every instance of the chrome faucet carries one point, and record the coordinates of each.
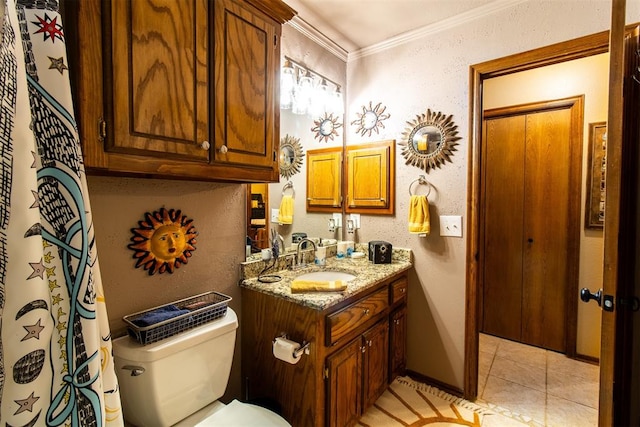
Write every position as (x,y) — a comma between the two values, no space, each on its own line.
(298,261)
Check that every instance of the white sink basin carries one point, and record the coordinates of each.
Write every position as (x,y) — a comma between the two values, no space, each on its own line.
(326,275)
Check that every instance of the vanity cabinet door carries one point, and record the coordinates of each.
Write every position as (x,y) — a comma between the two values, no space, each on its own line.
(398,343)
(375,363)
(370,178)
(344,385)
(324,180)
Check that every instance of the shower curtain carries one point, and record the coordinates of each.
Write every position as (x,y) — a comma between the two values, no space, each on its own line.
(56,365)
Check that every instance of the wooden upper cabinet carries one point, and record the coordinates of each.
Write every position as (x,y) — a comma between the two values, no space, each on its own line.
(324,180)
(178,89)
(370,178)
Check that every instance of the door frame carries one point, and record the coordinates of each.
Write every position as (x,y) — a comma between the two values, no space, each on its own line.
(560,52)
(575,106)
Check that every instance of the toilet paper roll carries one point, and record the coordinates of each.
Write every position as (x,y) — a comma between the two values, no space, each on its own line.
(284,349)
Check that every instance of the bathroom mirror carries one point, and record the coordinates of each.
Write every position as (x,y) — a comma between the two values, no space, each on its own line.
(326,127)
(429,140)
(290,156)
(370,119)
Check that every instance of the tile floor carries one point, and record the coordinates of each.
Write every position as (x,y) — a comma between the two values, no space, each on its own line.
(536,386)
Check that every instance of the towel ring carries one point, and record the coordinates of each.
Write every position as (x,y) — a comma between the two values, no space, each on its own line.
(287,186)
(422,180)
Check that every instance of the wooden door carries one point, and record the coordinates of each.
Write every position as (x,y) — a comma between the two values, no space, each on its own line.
(344,394)
(160,85)
(324,180)
(246,55)
(532,158)
(376,363)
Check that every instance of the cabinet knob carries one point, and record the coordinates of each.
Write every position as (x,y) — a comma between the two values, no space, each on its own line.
(366,311)
(223,149)
(205,145)
(363,349)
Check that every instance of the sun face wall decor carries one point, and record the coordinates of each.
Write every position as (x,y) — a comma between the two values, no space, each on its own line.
(370,119)
(163,241)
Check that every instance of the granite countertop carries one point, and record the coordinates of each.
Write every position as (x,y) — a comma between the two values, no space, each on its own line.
(367,275)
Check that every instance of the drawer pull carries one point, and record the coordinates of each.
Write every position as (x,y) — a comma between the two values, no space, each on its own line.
(366,311)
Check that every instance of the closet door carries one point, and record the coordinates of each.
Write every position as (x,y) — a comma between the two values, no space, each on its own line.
(503,219)
(546,227)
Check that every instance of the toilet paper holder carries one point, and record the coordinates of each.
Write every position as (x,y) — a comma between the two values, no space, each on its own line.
(303,348)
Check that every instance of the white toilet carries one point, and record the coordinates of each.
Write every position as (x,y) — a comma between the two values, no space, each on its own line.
(177,381)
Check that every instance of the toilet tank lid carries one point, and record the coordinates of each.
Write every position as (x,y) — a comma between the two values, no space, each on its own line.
(129,349)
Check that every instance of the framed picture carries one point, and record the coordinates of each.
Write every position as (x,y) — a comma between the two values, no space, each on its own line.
(596,175)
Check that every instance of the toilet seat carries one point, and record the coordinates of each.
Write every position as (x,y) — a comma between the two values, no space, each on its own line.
(239,414)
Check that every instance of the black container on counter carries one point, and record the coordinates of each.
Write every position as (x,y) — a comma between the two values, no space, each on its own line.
(380,252)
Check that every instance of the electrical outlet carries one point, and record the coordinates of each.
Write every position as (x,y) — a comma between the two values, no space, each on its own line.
(337,217)
(275,213)
(356,220)
(451,225)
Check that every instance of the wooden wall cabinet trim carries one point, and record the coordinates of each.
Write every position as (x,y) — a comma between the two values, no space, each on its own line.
(336,382)
(370,178)
(324,180)
(188,91)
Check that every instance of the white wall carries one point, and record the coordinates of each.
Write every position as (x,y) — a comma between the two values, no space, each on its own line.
(433,72)
(588,77)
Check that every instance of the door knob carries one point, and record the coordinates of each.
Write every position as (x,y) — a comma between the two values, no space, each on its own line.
(586,296)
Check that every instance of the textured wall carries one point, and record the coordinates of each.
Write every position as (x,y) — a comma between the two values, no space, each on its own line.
(433,72)
(217,211)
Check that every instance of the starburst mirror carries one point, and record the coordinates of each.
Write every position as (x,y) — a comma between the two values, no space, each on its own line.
(429,140)
(163,241)
(290,156)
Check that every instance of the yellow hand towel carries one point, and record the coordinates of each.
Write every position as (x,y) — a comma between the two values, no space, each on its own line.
(285,215)
(300,286)
(419,215)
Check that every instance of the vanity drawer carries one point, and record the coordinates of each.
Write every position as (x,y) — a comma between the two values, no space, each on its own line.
(349,318)
(398,289)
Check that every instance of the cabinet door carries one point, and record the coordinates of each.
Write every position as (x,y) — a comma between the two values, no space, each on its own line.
(376,362)
(371,178)
(324,180)
(398,343)
(158,64)
(247,57)
(344,394)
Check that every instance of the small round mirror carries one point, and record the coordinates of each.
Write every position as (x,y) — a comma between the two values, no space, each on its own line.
(430,140)
(291,155)
(427,139)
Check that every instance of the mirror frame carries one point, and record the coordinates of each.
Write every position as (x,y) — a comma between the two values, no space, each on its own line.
(287,170)
(444,149)
(364,127)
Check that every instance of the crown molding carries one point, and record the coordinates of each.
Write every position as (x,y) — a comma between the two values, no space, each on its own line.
(309,31)
(434,28)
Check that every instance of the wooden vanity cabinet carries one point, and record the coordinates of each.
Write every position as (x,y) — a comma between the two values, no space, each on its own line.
(324,180)
(189,90)
(351,354)
(370,178)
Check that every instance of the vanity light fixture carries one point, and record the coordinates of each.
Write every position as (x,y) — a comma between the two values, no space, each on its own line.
(305,91)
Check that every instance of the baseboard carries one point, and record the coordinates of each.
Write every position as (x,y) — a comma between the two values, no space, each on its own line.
(433,382)
(588,359)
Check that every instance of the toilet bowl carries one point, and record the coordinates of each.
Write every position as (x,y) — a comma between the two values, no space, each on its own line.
(177,381)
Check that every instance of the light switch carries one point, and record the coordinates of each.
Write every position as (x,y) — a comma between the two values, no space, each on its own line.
(451,225)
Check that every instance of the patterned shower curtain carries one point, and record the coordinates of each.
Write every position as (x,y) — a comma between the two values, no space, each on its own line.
(56,365)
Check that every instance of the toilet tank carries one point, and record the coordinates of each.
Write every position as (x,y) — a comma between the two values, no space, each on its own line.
(163,382)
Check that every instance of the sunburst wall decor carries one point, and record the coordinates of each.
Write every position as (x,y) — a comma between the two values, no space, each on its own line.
(163,241)
(326,127)
(429,140)
(370,119)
